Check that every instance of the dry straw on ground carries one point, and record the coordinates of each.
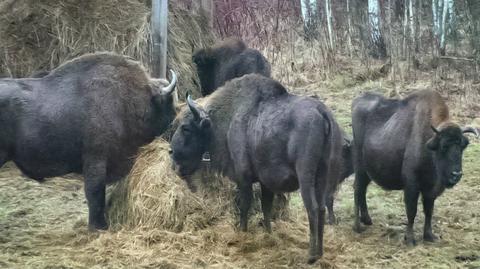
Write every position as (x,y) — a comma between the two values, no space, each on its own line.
(153,196)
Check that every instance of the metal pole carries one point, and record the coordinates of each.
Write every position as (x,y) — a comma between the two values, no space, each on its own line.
(159,37)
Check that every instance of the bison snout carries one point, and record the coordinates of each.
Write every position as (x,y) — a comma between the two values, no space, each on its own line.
(455,178)
(457,173)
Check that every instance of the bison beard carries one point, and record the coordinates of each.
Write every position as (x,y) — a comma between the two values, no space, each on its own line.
(225,61)
(257,132)
(407,145)
(88,116)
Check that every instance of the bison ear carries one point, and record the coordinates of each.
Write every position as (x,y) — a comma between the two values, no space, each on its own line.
(198,56)
(205,124)
(433,143)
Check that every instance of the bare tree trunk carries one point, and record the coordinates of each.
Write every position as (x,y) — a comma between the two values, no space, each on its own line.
(328,12)
(405,23)
(349,30)
(412,22)
(378,49)
(474,10)
(310,16)
(443,29)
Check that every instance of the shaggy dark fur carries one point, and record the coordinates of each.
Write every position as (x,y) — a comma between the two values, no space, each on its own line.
(408,145)
(225,61)
(88,116)
(255,131)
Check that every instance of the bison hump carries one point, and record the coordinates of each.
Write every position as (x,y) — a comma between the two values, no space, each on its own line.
(264,87)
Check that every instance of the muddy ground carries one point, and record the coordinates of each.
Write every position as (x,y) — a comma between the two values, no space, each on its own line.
(43,225)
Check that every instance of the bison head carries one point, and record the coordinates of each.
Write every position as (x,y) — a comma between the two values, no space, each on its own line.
(347,158)
(205,63)
(190,141)
(447,145)
(163,104)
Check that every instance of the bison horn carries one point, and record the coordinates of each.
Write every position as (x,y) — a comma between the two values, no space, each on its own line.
(173,82)
(472,130)
(193,107)
(434,129)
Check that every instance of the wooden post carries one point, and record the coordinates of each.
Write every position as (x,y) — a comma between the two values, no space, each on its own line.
(159,38)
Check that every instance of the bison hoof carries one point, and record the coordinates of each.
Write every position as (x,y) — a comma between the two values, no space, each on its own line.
(359,228)
(410,241)
(312,259)
(332,220)
(366,220)
(268,229)
(98,226)
(243,228)
(430,237)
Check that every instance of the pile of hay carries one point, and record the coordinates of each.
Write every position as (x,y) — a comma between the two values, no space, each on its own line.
(153,196)
(41,34)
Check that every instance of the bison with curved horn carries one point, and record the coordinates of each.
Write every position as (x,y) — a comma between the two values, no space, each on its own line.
(408,145)
(88,116)
(255,131)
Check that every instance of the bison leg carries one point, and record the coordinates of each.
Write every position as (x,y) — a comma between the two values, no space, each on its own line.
(313,193)
(94,171)
(245,202)
(311,205)
(320,191)
(361,210)
(428,204)
(331,215)
(411,194)
(267,201)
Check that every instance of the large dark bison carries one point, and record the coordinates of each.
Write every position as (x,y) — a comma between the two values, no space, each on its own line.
(225,61)
(408,145)
(88,116)
(255,131)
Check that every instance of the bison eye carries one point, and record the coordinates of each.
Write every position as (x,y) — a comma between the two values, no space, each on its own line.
(186,129)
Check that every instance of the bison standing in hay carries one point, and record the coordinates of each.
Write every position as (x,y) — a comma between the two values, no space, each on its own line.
(408,145)
(225,61)
(88,116)
(255,131)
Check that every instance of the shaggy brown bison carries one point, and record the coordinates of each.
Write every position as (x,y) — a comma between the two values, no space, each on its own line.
(408,145)
(255,131)
(225,61)
(88,116)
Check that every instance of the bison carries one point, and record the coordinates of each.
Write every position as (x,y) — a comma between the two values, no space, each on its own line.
(255,131)
(88,116)
(408,145)
(345,164)
(225,61)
